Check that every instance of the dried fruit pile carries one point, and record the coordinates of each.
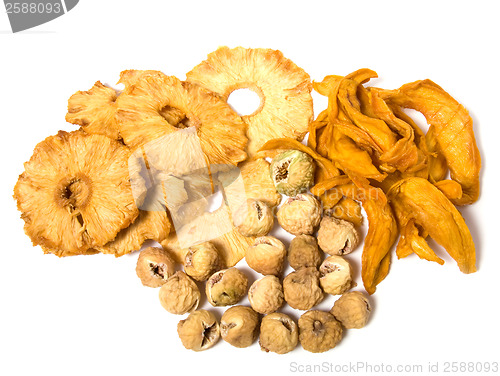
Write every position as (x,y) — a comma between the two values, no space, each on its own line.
(146,160)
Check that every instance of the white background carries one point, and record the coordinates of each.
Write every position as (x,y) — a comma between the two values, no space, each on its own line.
(91,315)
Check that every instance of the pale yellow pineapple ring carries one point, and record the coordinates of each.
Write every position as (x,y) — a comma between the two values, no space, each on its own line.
(286,107)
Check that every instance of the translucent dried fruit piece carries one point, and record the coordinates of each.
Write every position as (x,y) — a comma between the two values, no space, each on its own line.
(412,242)
(450,188)
(418,200)
(403,153)
(141,115)
(153,222)
(349,157)
(94,110)
(452,129)
(365,130)
(285,90)
(216,226)
(438,167)
(75,192)
(211,227)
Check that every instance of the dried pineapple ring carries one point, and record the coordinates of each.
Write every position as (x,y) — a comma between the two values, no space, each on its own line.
(75,192)
(286,107)
(158,105)
(94,110)
(61,253)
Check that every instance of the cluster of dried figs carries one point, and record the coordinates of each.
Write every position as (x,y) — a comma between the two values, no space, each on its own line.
(146,160)
(313,277)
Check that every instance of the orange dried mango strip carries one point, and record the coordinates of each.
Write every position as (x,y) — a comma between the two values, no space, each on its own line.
(438,167)
(418,200)
(350,158)
(451,189)
(404,154)
(348,210)
(412,242)
(453,131)
(369,129)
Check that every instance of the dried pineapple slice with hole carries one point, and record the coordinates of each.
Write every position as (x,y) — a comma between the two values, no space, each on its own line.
(94,110)
(75,192)
(159,105)
(286,107)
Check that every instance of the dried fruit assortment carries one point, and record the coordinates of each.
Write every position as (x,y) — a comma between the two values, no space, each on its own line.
(147,159)
(367,149)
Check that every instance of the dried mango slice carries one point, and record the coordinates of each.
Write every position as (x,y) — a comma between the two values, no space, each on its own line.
(452,129)
(220,131)
(348,210)
(412,242)
(350,158)
(416,199)
(382,233)
(333,135)
(75,192)
(450,188)
(403,154)
(438,167)
(285,90)
(365,129)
